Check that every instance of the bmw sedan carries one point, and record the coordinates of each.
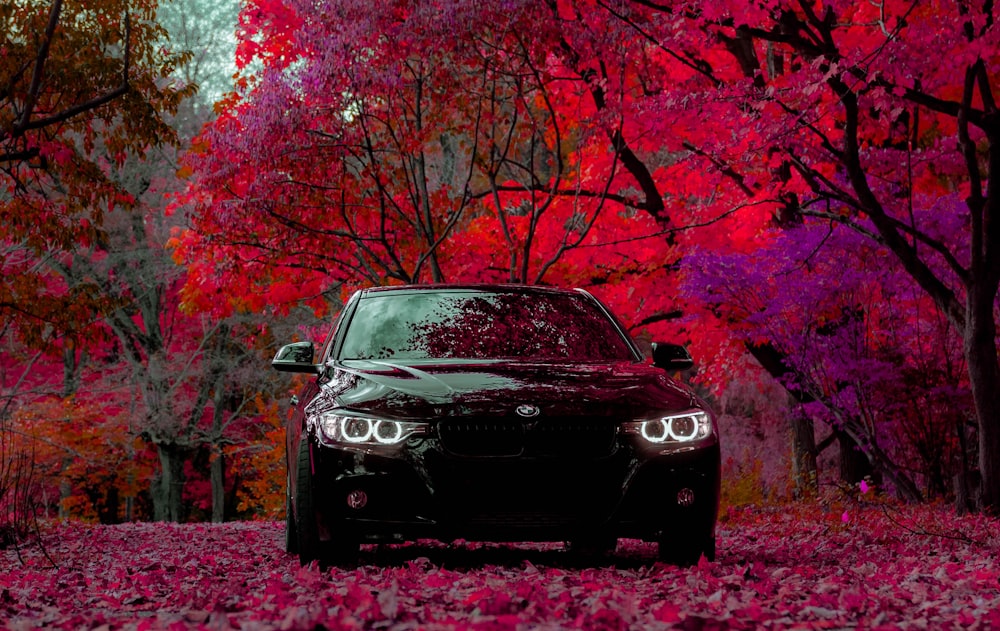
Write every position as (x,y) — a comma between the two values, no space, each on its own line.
(494,413)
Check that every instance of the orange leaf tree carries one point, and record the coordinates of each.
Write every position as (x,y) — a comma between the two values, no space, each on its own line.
(72,76)
(81,84)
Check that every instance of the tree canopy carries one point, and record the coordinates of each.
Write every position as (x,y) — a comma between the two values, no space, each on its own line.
(596,142)
(796,190)
(82,85)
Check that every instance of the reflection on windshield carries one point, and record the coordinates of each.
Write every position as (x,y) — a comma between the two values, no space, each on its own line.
(482,325)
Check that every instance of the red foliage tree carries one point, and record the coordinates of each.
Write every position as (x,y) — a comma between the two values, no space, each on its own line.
(582,142)
(381,156)
(839,113)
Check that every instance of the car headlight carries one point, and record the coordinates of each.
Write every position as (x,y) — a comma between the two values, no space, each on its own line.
(362,431)
(675,428)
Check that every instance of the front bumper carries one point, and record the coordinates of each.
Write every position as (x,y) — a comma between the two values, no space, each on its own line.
(421,491)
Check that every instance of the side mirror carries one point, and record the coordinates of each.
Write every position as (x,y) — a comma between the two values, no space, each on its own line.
(297,357)
(671,356)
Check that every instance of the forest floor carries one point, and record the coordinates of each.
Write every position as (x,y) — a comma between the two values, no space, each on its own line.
(800,566)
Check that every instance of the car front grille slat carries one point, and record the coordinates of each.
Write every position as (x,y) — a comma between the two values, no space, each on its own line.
(587,438)
(482,438)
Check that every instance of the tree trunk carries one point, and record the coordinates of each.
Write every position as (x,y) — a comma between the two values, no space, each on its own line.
(968,492)
(804,470)
(984,380)
(167,492)
(854,464)
(967,483)
(884,470)
(218,462)
(65,490)
(71,368)
(107,508)
(218,471)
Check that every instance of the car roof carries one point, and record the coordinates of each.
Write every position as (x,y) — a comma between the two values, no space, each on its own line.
(486,287)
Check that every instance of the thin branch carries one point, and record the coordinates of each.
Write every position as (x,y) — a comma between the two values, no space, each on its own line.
(25,124)
(41,57)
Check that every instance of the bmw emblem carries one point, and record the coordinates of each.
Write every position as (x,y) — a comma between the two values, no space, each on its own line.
(527,410)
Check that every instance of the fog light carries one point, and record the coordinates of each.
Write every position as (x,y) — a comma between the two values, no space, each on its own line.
(685,497)
(357,499)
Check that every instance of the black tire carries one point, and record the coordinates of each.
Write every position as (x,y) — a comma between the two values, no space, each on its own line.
(291,530)
(306,533)
(686,552)
(339,551)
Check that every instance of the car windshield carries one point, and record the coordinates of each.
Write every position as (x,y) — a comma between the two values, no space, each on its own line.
(470,324)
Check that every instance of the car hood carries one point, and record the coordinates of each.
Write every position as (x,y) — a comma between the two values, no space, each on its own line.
(411,390)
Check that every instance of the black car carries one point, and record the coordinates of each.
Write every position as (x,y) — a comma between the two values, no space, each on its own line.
(494,413)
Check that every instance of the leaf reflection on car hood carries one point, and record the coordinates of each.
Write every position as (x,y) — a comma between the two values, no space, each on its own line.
(409,379)
(417,388)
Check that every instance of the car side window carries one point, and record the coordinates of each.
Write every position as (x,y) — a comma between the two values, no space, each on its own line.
(324,353)
(327,349)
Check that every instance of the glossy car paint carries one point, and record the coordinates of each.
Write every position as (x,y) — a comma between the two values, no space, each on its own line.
(514,449)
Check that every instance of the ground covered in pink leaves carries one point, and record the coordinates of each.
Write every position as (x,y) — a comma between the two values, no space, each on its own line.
(798,567)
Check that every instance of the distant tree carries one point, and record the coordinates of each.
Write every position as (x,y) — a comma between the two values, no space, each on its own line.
(600,143)
(92,124)
(845,113)
(856,342)
(18,477)
(181,366)
(366,152)
(70,75)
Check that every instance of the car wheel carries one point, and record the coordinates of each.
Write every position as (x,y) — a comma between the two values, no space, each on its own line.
(337,552)
(686,551)
(341,553)
(306,535)
(291,533)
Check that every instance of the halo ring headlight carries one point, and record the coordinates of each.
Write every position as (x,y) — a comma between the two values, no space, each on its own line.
(356,430)
(675,428)
(361,431)
(654,431)
(387,432)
